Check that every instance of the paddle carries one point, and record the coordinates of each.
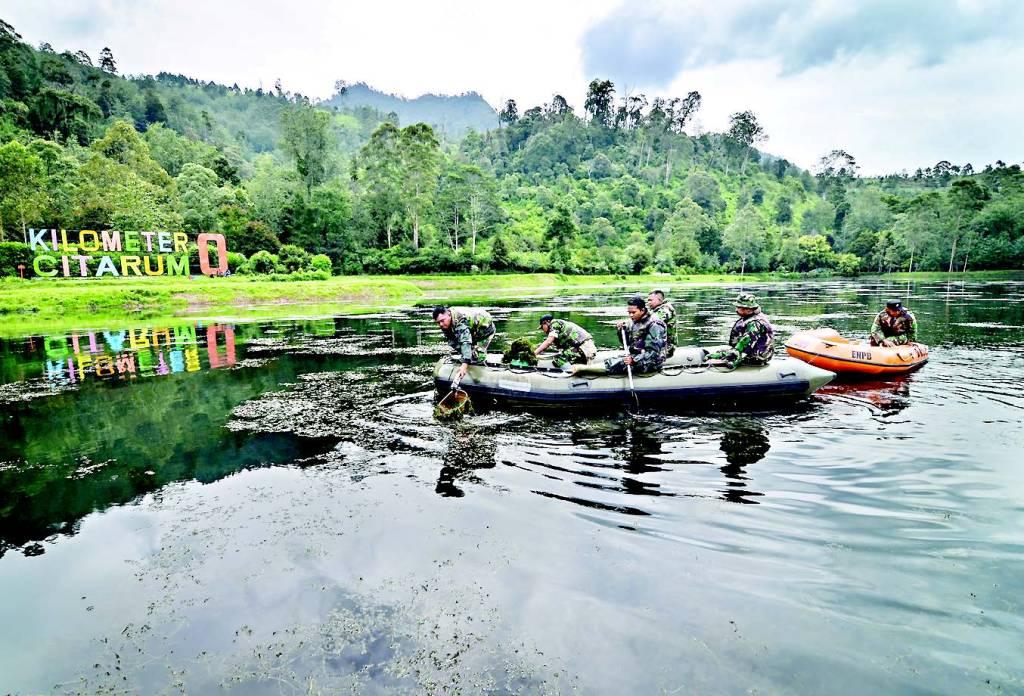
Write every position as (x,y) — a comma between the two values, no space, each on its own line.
(629,370)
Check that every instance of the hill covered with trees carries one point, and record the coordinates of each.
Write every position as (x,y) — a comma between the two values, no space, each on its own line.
(619,185)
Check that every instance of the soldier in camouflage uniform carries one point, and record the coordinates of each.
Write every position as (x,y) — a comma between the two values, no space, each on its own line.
(893,326)
(663,310)
(647,341)
(468,332)
(752,339)
(573,343)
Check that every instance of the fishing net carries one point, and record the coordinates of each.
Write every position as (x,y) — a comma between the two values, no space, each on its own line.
(453,406)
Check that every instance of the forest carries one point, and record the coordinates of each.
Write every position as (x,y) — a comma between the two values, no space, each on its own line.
(624,184)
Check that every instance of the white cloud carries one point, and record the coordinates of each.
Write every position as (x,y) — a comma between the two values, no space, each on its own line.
(526,51)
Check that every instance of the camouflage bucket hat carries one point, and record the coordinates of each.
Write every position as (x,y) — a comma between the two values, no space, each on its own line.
(746,300)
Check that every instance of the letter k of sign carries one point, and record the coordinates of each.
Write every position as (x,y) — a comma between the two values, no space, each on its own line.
(35,238)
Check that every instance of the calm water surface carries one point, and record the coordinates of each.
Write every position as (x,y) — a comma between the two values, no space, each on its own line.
(271,508)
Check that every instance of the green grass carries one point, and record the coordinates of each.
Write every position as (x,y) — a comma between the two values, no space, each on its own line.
(31,306)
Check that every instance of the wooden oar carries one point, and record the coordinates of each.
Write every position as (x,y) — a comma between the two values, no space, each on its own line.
(629,370)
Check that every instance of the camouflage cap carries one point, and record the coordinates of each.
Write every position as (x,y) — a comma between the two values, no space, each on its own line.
(746,300)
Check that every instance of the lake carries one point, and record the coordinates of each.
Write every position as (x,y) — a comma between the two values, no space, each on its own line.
(270,507)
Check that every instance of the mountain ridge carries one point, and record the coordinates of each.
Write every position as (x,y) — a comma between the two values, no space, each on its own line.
(452,114)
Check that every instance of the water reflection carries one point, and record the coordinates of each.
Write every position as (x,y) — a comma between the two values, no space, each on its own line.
(744,442)
(471,448)
(887,398)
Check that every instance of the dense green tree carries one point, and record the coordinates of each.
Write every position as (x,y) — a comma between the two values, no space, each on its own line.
(421,157)
(254,236)
(599,101)
(123,144)
(22,193)
(198,196)
(683,229)
(818,218)
(500,258)
(272,190)
(306,137)
(509,113)
(965,198)
(380,177)
(107,63)
(746,238)
(745,130)
(64,114)
(155,112)
(704,190)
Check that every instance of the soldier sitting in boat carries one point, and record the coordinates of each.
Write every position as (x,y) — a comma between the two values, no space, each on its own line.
(660,308)
(468,332)
(893,326)
(752,339)
(573,343)
(647,341)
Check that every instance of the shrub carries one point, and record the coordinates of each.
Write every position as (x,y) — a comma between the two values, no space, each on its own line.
(321,262)
(236,261)
(293,258)
(12,254)
(300,275)
(262,263)
(847,264)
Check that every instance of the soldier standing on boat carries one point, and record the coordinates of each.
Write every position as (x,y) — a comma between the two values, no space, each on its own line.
(573,343)
(752,339)
(662,309)
(893,326)
(647,340)
(468,332)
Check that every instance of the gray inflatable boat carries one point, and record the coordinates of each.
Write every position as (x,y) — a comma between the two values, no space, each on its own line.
(684,379)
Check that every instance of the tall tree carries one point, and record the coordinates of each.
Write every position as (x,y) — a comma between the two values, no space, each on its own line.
(682,110)
(198,197)
(598,104)
(964,199)
(381,173)
(509,113)
(745,130)
(22,193)
(421,156)
(745,237)
(559,106)
(306,137)
(107,63)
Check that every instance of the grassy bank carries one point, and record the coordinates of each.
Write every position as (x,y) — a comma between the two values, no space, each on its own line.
(28,306)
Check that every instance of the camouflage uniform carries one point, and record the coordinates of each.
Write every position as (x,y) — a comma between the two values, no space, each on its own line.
(667,313)
(648,344)
(900,329)
(470,333)
(752,339)
(573,343)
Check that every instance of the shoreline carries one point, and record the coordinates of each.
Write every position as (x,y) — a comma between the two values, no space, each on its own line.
(35,306)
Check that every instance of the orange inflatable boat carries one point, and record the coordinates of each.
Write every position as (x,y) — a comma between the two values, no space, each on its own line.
(826,349)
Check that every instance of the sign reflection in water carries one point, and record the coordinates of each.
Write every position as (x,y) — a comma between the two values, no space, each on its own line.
(133,353)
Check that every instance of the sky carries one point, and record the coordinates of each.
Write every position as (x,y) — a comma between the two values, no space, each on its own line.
(900,84)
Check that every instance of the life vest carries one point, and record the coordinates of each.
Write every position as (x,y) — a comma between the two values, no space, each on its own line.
(569,335)
(897,325)
(639,333)
(763,348)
